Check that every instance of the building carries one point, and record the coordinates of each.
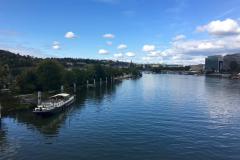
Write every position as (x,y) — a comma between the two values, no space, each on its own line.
(155,65)
(173,65)
(228,60)
(197,68)
(214,63)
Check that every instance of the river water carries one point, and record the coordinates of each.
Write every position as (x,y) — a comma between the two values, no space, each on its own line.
(155,117)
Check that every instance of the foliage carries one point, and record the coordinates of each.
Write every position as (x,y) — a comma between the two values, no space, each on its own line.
(4,75)
(32,74)
(50,75)
(28,81)
(234,67)
(163,68)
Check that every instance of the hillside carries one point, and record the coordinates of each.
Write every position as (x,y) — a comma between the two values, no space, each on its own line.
(20,61)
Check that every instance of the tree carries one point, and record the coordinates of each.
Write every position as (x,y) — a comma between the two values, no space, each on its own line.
(69,78)
(234,66)
(4,75)
(99,71)
(50,75)
(28,81)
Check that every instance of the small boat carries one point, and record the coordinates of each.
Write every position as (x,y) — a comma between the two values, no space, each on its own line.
(55,103)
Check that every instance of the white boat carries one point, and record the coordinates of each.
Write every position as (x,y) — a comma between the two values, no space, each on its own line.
(55,103)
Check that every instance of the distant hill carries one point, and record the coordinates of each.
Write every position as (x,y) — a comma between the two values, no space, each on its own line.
(16,60)
(20,61)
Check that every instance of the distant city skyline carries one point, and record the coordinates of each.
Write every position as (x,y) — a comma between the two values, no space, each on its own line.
(142,31)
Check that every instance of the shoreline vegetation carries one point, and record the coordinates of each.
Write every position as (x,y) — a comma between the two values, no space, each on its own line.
(23,76)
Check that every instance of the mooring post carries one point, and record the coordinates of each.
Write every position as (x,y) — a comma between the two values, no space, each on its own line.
(62,88)
(94,82)
(74,87)
(100,81)
(0,112)
(106,80)
(0,117)
(39,97)
(87,83)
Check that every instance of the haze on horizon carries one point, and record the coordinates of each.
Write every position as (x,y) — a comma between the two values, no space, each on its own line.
(144,31)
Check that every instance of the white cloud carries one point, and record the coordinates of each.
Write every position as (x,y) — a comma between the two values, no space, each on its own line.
(148,48)
(56,45)
(194,51)
(190,51)
(109,43)
(122,46)
(24,50)
(154,54)
(147,59)
(70,35)
(102,51)
(186,60)
(109,36)
(130,54)
(179,37)
(221,28)
(118,55)
(208,46)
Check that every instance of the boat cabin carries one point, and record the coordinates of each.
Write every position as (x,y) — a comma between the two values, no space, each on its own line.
(61,96)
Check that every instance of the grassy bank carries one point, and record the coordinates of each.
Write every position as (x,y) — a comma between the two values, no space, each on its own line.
(10,103)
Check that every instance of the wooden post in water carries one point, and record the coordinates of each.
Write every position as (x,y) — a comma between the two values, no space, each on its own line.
(94,82)
(100,81)
(74,87)
(0,113)
(0,117)
(62,88)
(106,80)
(87,83)
(39,98)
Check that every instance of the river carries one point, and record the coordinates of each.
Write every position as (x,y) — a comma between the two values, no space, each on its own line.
(158,116)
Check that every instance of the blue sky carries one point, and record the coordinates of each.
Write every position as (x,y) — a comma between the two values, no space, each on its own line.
(146,31)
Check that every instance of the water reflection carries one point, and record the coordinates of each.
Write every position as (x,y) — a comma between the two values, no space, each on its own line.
(220,98)
(50,126)
(155,117)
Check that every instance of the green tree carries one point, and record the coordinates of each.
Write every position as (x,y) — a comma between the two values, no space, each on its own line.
(50,75)
(4,75)
(27,81)
(69,78)
(99,71)
(234,66)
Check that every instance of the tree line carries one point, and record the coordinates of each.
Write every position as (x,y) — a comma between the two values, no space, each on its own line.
(25,74)
(50,75)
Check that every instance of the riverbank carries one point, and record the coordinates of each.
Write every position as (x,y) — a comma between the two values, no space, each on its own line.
(182,115)
(12,102)
(220,75)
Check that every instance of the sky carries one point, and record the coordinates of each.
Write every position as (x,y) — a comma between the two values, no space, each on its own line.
(142,31)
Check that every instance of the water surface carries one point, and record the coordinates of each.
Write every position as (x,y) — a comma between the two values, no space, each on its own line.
(154,117)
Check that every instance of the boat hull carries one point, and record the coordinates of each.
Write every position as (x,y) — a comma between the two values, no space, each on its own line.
(54,110)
